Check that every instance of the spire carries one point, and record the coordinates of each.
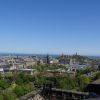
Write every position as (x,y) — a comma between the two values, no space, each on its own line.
(48,59)
(76,54)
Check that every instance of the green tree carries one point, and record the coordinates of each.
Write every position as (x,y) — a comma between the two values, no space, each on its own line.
(21,90)
(96,76)
(67,83)
(4,84)
(1,97)
(83,81)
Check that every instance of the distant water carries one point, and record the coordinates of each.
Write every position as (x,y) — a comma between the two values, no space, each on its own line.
(42,55)
(96,57)
(21,54)
(14,54)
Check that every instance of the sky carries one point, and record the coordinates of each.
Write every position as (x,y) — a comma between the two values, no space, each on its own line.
(50,26)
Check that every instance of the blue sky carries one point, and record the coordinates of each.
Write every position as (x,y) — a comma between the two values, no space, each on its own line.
(50,26)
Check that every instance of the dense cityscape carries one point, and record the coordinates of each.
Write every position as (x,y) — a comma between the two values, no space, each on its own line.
(29,77)
(49,50)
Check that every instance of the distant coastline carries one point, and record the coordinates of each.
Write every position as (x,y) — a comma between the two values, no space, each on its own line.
(42,55)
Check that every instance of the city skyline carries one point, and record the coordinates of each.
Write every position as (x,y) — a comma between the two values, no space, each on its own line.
(50,26)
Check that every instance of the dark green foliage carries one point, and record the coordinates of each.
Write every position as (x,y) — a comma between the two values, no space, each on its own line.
(7,96)
(39,81)
(82,82)
(22,90)
(4,84)
(65,82)
(86,71)
(97,76)
(19,91)
(24,79)
(26,83)
(1,97)
(19,81)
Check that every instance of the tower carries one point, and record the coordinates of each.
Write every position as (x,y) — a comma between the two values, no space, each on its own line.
(48,59)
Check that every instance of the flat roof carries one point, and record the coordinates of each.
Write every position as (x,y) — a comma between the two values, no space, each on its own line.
(26,69)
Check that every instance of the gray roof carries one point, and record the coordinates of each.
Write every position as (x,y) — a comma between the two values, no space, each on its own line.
(96,82)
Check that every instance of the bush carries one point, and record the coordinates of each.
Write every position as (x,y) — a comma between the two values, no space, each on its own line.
(22,90)
(8,95)
(4,84)
(83,81)
(1,97)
